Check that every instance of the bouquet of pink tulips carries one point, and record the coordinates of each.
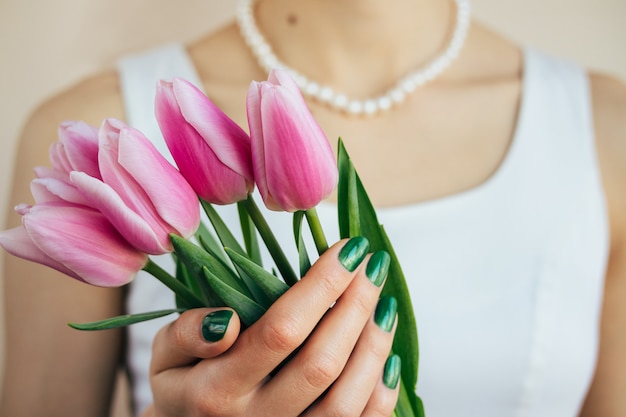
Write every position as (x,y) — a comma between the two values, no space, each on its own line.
(111,199)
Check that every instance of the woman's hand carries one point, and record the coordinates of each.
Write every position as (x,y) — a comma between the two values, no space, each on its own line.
(202,366)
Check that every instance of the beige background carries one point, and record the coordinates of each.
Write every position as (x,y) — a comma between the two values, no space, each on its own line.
(47,46)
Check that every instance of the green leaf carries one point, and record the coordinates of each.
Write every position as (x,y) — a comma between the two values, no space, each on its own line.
(251,286)
(215,249)
(271,286)
(405,342)
(344,165)
(196,258)
(228,240)
(409,404)
(305,263)
(210,243)
(249,235)
(223,232)
(183,275)
(186,296)
(357,216)
(247,309)
(123,321)
(347,195)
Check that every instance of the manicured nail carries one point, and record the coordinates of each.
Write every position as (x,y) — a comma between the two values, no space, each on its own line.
(214,325)
(391,375)
(377,267)
(353,253)
(385,314)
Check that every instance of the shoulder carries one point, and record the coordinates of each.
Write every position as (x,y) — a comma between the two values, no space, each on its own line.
(608,97)
(91,100)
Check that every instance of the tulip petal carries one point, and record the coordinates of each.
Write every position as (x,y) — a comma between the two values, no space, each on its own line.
(121,181)
(45,172)
(58,157)
(304,169)
(80,142)
(282,78)
(229,142)
(22,208)
(253,109)
(173,198)
(18,243)
(52,189)
(131,225)
(211,180)
(85,242)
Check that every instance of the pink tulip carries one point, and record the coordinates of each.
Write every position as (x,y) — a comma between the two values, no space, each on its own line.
(140,193)
(294,166)
(211,150)
(77,149)
(75,240)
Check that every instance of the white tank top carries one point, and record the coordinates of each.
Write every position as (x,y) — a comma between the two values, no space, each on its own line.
(506,278)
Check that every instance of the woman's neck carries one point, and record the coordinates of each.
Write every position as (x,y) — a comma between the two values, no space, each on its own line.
(356,43)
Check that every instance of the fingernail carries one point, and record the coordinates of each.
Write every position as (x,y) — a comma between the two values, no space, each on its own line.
(385,314)
(215,324)
(391,375)
(377,267)
(353,253)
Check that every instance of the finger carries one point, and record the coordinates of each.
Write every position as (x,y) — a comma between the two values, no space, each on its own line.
(322,358)
(351,392)
(200,333)
(385,395)
(289,321)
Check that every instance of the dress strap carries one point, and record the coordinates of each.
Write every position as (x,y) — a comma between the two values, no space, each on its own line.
(139,74)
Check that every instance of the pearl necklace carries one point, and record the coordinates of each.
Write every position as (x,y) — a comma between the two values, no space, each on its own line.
(325,94)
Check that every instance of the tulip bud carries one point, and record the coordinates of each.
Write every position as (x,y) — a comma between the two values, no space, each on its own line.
(75,240)
(140,193)
(211,150)
(294,166)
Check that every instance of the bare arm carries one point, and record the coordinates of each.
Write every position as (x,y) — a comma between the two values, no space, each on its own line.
(51,369)
(606,396)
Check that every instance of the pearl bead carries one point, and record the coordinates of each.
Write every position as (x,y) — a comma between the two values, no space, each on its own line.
(312,89)
(325,94)
(355,107)
(340,101)
(384,103)
(370,106)
(396,95)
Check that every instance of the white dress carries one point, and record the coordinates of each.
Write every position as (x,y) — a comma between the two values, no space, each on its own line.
(506,278)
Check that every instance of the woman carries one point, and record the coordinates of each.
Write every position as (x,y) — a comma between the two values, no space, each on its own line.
(508,226)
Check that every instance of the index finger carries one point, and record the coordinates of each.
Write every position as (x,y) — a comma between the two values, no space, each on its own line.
(290,320)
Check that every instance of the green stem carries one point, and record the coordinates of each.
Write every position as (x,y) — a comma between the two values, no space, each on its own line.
(316,230)
(271,243)
(185,294)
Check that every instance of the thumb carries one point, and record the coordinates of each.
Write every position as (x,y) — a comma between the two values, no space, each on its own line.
(201,333)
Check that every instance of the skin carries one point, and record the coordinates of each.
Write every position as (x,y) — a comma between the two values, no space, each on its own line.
(450,136)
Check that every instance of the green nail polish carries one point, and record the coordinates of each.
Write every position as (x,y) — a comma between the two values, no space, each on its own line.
(353,252)
(391,375)
(377,267)
(214,325)
(385,314)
